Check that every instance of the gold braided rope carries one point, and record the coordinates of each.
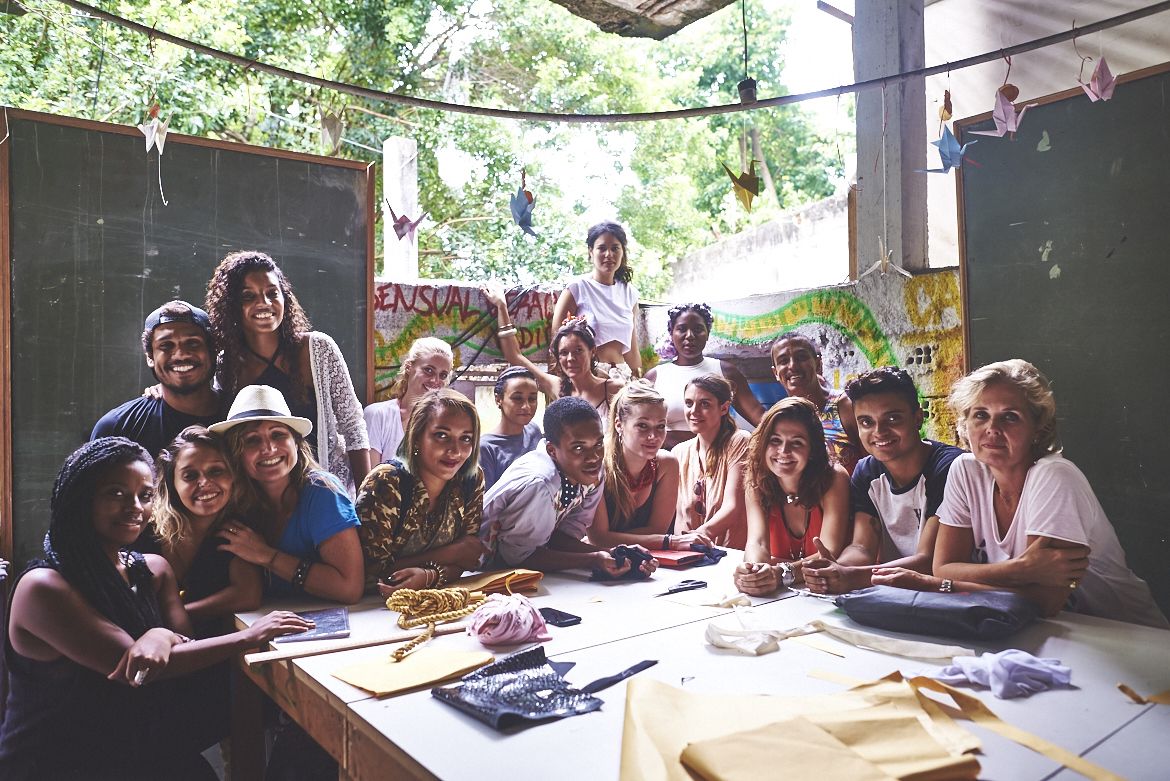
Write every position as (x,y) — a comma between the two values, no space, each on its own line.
(430,606)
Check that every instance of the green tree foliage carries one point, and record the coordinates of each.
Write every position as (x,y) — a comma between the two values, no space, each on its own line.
(663,180)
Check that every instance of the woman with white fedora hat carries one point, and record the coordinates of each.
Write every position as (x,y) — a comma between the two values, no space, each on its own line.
(303,525)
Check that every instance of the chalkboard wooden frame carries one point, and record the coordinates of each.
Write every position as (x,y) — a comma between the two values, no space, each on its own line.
(7,437)
(1102,218)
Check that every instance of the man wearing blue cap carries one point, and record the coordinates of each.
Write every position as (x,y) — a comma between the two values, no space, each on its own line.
(181,353)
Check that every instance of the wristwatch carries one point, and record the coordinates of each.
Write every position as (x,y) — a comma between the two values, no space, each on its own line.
(787,573)
(947,586)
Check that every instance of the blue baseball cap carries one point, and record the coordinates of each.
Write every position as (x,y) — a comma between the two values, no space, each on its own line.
(177,312)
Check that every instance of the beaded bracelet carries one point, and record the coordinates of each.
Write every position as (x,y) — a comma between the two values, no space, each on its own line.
(302,572)
(510,331)
(440,573)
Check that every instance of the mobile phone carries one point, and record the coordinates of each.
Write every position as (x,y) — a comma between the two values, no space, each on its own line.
(559,617)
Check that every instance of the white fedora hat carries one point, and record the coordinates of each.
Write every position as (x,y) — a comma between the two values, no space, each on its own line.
(261,402)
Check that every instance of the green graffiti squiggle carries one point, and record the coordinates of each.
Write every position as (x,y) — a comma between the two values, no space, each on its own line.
(836,309)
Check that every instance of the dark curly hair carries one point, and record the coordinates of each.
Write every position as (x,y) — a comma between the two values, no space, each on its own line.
(574,326)
(675,312)
(624,272)
(72,546)
(224,307)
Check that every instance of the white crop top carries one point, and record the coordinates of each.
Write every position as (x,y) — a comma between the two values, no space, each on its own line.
(671,380)
(608,309)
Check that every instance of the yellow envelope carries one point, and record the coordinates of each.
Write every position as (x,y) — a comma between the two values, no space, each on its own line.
(424,666)
(501,582)
(805,750)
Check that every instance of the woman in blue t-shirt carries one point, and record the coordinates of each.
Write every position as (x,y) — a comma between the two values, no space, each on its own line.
(304,528)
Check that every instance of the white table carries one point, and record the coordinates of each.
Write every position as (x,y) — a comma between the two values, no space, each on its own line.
(417,736)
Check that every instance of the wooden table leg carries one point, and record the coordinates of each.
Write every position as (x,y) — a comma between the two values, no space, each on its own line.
(247,753)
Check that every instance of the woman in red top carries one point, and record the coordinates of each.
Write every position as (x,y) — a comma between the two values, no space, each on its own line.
(796,497)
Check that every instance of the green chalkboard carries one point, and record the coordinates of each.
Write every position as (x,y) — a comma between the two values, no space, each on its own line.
(91,249)
(1065,231)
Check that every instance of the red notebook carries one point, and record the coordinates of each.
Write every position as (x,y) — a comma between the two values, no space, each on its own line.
(677,558)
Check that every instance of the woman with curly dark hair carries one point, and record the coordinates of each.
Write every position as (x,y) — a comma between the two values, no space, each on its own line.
(572,357)
(689,326)
(608,300)
(267,339)
(795,496)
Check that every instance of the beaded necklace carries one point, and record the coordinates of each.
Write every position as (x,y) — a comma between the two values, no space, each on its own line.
(646,477)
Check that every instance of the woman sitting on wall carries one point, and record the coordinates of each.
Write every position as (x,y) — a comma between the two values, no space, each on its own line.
(267,339)
(99,664)
(689,326)
(795,495)
(1025,516)
(305,525)
(641,479)
(517,396)
(571,354)
(608,301)
(427,367)
(192,504)
(712,465)
(796,363)
(420,518)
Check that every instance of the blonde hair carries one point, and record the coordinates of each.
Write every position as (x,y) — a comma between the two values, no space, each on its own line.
(419,349)
(617,484)
(1019,374)
(818,472)
(427,406)
(170,517)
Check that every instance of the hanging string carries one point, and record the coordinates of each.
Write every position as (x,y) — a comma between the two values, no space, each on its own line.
(644,116)
(743,10)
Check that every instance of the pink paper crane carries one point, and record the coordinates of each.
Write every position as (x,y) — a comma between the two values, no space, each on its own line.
(1101,83)
(403,226)
(1005,117)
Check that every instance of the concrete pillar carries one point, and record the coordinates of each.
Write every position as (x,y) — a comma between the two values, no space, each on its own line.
(891,202)
(400,192)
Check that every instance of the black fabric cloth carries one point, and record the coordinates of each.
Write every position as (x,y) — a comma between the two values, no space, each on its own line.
(622,554)
(150,422)
(279,379)
(64,721)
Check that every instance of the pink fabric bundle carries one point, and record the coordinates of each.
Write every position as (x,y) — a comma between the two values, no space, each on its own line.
(507,620)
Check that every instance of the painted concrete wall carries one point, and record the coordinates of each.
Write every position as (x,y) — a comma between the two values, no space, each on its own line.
(805,248)
(913,323)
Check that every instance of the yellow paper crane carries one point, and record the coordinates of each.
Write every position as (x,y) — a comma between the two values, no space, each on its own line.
(747,184)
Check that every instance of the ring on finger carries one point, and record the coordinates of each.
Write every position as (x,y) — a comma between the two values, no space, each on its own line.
(1074,583)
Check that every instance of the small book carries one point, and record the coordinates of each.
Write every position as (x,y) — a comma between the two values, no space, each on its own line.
(678,558)
(331,623)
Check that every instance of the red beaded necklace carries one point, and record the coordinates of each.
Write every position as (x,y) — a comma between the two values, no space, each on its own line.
(646,477)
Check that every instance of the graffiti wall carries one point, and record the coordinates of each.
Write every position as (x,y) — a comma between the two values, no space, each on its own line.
(456,313)
(912,323)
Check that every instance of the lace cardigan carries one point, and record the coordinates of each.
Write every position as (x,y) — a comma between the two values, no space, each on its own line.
(340,425)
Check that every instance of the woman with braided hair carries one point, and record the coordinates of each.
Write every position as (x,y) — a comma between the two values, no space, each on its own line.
(689,326)
(96,644)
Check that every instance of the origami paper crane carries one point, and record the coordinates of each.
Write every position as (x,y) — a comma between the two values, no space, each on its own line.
(154,129)
(1006,119)
(403,226)
(1101,83)
(522,203)
(885,264)
(747,184)
(949,152)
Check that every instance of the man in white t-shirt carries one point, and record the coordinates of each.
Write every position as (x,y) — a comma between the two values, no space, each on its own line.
(895,491)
